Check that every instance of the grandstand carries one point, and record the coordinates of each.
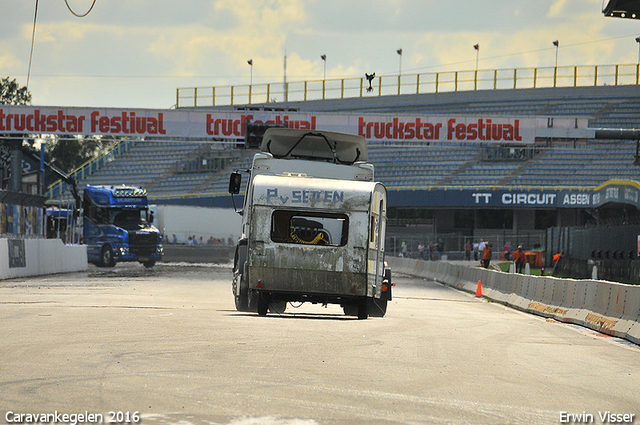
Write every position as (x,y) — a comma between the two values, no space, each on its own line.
(426,181)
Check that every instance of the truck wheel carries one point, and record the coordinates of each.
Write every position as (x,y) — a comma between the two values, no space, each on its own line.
(377,307)
(106,257)
(363,309)
(149,264)
(263,305)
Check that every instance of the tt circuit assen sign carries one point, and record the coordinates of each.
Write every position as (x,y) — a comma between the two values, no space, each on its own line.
(614,191)
(232,125)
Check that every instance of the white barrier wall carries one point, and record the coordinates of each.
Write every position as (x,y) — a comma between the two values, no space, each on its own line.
(607,307)
(42,257)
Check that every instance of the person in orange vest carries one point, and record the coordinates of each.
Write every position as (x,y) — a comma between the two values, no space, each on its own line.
(518,257)
(486,255)
(556,262)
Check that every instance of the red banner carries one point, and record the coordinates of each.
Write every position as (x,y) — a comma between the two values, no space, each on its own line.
(232,125)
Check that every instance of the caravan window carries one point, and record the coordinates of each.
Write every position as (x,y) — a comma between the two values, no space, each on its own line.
(307,228)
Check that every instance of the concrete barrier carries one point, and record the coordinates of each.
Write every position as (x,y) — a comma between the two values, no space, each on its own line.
(33,257)
(632,314)
(608,307)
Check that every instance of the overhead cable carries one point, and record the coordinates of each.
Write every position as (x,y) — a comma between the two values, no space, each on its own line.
(33,39)
(80,16)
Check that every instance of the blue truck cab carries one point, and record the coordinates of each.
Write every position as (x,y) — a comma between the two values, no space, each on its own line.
(117,226)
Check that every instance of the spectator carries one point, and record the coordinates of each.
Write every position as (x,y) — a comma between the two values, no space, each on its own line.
(507,251)
(467,250)
(481,246)
(476,249)
(518,257)
(175,239)
(486,255)
(440,248)
(421,250)
(557,260)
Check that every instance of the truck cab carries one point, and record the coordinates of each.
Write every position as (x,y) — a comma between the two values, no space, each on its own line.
(117,226)
(313,226)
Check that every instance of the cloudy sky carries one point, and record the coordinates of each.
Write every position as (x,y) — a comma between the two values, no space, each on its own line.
(136,53)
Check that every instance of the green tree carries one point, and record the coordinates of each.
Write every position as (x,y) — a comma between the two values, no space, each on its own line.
(12,94)
(67,152)
(70,152)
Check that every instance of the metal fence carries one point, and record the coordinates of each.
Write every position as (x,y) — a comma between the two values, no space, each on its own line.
(454,243)
(595,243)
(432,82)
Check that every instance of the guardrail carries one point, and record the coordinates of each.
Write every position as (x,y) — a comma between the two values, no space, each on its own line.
(432,82)
(607,307)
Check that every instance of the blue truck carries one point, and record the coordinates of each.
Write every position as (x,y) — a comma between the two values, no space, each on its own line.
(117,226)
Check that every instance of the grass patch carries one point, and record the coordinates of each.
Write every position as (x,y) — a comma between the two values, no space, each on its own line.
(504,266)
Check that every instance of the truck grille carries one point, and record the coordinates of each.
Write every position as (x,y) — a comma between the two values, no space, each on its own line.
(143,244)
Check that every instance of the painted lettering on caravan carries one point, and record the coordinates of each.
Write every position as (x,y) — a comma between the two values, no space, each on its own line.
(304,196)
(397,130)
(41,123)
(236,127)
(529,198)
(483,131)
(127,123)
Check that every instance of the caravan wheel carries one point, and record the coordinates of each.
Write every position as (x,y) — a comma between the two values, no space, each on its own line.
(363,309)
(263,304)
(242,300)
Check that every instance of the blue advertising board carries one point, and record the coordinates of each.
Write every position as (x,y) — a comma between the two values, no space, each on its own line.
(614,191)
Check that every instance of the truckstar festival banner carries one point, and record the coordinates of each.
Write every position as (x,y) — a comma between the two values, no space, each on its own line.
(232,125)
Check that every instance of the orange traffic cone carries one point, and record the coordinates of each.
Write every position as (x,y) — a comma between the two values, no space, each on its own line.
(479,290)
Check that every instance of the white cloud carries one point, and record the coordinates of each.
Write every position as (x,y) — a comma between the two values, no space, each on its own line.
(138,53)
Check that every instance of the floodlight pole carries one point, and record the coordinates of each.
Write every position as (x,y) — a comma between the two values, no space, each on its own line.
(324,59)
(324,75)
(250,62)
(638,66)
(399,52)
(555,69)
(475,80)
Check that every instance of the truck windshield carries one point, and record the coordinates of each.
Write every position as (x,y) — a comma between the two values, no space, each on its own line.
(128,219)
(309,228)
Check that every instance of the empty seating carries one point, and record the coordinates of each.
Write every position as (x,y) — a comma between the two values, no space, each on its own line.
(158,165)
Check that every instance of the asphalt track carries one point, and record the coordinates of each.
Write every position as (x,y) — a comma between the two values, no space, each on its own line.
(168,344)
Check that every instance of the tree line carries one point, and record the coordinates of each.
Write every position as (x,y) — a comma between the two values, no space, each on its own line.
(66,152)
